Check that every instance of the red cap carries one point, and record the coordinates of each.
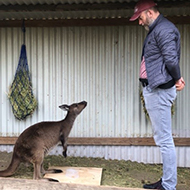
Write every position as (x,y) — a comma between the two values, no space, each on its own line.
(141,6)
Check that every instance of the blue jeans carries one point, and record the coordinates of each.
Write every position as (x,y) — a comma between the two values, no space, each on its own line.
(158,104)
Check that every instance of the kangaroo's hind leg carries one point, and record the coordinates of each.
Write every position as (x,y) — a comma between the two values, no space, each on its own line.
(43,171)
(38,159)
(37,171)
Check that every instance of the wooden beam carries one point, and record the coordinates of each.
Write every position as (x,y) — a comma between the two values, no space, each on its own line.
(67,22)
(106,141)
(179,19)
(7,140)
(84,22)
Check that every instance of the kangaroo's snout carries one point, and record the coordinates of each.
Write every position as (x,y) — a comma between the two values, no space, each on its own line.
(74,107)
(84,103)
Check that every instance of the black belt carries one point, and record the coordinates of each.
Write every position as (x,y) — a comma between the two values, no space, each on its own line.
(167,85)
(144,82)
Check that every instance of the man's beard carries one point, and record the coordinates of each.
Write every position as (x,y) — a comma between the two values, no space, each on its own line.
(146,28)
(149,22)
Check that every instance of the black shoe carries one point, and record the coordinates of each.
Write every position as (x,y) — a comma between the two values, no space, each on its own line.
(157,185)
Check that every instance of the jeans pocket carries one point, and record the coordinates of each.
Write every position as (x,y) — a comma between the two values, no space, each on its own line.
(171,94)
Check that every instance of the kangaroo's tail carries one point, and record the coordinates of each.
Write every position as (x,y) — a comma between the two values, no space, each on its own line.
(15,162)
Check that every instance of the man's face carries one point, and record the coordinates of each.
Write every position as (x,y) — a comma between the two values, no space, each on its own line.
(145,19)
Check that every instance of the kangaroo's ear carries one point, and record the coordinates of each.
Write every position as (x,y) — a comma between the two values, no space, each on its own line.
(64,107)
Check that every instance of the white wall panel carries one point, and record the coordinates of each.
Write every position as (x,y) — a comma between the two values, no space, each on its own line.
(96,64)
(147,155)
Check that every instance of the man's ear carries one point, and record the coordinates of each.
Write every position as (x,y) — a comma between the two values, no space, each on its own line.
(149,13)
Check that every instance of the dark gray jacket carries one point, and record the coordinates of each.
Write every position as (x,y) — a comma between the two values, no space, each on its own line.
(162,52)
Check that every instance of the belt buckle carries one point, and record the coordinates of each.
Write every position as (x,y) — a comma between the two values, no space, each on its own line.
(144,84)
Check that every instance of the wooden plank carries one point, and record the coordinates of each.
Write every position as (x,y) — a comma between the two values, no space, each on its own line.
(7,140)
(101,141)
(23,184)
(77,175)
(85,22)
(122,141)
(67,22)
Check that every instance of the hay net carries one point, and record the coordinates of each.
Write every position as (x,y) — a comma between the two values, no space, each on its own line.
(20,93)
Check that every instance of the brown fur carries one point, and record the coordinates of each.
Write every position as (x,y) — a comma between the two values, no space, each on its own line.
(36,141)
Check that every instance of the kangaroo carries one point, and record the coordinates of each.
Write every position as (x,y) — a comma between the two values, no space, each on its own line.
(34,143)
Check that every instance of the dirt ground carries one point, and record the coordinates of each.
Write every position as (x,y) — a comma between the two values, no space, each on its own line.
(115,173)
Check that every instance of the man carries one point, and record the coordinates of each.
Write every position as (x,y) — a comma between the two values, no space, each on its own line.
(160,77)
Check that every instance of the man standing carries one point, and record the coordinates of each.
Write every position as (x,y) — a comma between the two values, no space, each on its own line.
(160,77)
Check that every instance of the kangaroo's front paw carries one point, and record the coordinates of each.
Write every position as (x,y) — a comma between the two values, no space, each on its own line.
(65,154)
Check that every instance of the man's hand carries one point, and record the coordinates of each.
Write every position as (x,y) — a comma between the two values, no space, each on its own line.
(180,84)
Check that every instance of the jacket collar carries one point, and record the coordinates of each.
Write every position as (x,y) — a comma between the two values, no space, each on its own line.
(159,18)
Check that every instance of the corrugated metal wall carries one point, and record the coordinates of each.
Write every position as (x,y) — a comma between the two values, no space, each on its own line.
(96,64)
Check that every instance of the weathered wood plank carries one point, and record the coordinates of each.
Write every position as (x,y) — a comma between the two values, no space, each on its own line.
(23,184)
(84,22)
(100,141)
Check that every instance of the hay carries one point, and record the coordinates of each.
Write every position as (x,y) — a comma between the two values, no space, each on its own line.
(21,97)
(145,110)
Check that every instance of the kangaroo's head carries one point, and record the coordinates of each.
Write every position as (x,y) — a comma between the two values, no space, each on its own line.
(75,108)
